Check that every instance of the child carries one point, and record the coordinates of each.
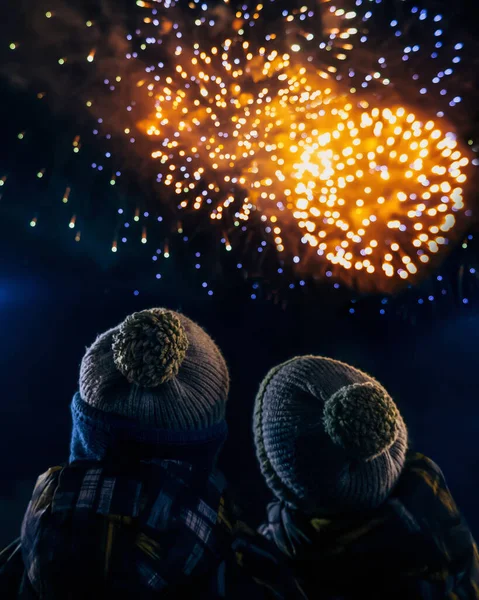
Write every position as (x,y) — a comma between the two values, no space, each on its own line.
(357,514)
(140,511)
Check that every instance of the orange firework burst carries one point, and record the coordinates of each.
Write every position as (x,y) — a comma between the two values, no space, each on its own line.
(258,124)
(277,126)
(372,190)
(338,183)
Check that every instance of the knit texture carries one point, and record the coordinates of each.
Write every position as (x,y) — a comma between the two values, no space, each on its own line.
(362,419)
(102,436)
(158,368)
(150,347)
(328,437)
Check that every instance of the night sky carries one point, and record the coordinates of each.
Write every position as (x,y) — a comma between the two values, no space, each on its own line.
(57,294)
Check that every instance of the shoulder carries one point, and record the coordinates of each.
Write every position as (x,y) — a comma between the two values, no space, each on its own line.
(423,485)
(424,493)
(46,479)
(439,514)
(423,490)
(417,462)
(45,487)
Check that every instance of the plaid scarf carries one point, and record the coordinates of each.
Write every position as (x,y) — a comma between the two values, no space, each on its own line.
(417,545)
(160,529)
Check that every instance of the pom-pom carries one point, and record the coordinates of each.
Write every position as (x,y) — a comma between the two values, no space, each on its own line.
(363,419)
(150,347)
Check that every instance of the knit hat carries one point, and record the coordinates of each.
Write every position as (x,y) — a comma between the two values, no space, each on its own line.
(328,437)
(158,373)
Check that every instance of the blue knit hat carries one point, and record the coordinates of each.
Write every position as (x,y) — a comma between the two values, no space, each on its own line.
(328,437)
(155,378)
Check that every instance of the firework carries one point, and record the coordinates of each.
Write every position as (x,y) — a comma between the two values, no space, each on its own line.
(263,131)
(271,122)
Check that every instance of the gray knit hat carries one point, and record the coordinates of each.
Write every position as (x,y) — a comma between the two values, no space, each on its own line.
(328,437)
(159,369)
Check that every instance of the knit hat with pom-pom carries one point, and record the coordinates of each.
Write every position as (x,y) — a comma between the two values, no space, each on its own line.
(156,378)
(329,438)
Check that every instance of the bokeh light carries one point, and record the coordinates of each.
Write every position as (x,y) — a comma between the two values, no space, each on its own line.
(270,132)
(340,181)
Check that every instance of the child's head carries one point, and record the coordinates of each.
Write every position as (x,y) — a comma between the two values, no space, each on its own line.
(329,439)
(156,378)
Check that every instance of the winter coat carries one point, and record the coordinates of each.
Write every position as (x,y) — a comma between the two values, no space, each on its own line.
(416,546)
(158,529)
